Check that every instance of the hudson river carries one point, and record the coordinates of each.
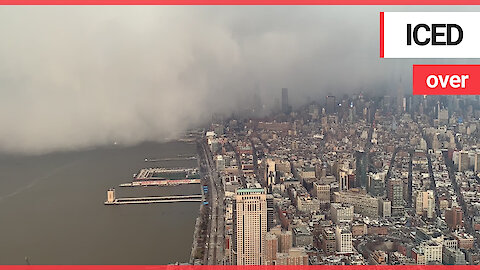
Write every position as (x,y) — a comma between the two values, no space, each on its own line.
(52,211)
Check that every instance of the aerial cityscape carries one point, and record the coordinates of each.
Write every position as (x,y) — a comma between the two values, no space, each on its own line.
(347,180)
(228,135)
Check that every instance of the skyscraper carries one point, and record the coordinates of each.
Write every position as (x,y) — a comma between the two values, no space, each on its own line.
(477,162)
(270,172)
(395,195)
(343,180)
(285,105)
(270,212)
(330,105)
(361,168)
(250,225)
(463,161)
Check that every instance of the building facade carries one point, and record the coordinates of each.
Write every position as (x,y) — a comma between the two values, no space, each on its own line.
(250,225)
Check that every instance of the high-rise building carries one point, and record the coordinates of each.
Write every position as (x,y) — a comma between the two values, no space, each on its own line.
(477,162)
(270,212)
(425,204)
(454,218)
(385,207)
(343,182)
(463,161)
(395,195)
(443,116)
(285,105)
(250,225)
(270,172)
(286,241)
(361,168)
(271,248)
(376,184)
(330,104)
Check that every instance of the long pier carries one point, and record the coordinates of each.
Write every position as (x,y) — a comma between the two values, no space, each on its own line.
(152,173)
(170,159)
(163,199)
(146,183)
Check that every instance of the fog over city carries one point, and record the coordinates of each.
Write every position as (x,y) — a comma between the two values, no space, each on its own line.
(79,77)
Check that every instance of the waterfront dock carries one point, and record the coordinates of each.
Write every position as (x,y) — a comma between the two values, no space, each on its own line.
(170,159)
(111,200)
(161,183)
(164,173)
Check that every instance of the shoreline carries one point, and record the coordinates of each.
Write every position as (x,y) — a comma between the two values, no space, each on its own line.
(197,251)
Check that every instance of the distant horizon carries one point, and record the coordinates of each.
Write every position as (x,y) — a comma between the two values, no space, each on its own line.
(72,77)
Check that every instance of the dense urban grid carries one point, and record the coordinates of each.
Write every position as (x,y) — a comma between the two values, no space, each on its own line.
(347,180)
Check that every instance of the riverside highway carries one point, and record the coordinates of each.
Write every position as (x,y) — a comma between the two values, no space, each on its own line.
(215,240)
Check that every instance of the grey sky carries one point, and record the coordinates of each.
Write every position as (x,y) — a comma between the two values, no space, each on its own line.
(76,77)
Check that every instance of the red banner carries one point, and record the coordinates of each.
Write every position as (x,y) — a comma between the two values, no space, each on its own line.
(446,79)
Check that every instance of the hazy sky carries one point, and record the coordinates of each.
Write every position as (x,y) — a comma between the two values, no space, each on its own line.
(75,77)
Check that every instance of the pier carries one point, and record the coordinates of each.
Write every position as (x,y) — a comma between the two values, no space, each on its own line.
(169,159)
(146,183)
(166,174)
(111,200)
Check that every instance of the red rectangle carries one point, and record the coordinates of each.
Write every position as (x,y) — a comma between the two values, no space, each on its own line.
(446,79)
(381,34)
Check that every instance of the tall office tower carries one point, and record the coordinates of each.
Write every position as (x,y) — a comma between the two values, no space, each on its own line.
(285,105)
(395,195)
(250,225)
(343,180)
(361,168)
(463,161)
(409,104)
(330,104)
(270,212)
(257,103)
(477,162)
(270,172)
